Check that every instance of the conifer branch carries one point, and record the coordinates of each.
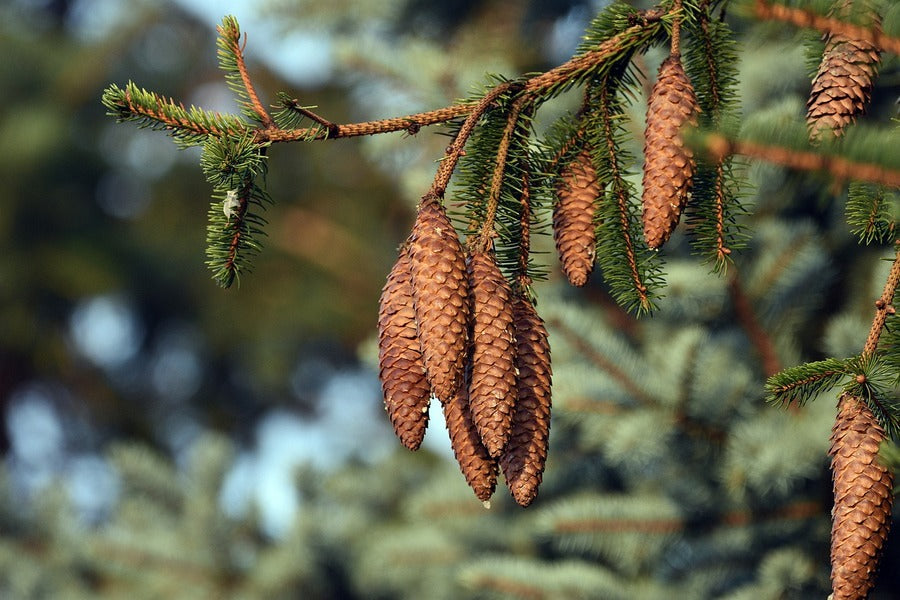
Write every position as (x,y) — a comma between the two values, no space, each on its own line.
(628,384)
(803,382)
(293,105)
(232,46)
(763,9)
(675,46)
(714,204)
(884,305)
(870,214)
(487,226)
(620,240)
(720,146)
(760,339)
(455,149)
(522,280)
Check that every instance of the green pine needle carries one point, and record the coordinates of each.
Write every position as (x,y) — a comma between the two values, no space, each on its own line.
(233,166)
(872,212)
(802,383)
(632,271)
(188,126)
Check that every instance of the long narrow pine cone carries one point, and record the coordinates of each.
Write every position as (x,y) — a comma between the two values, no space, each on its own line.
(525,456)
(842,87)
(861,515)
(440,296)
(577,192)
(668,163)
(492,382)
(400,362)
(477,466)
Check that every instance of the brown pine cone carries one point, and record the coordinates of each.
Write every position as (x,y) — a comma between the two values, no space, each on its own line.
(668,163)
(440,294)
(577,191)
(861,515)
(402,369)
(526,453)
(492,381)
(477,466)
(842,87)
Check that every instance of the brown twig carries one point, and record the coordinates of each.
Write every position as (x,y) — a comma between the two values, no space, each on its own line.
(760,339)
(294,106)
(841,168)
(628,384)
(454,151)
(621,199)
(675,47)
(522,278)
(884,305)
(512,119)
(238,49)
(804,18)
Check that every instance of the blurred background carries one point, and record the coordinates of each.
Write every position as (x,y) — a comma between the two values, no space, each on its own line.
(163,437)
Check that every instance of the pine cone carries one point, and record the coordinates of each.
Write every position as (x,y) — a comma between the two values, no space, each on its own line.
(402,369)
(477,466)
(861,515)
(578,191)
(842,86)
(526,453)
(668,164)
(440,296)
(492,382)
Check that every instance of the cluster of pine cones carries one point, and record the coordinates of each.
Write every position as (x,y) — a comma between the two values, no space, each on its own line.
(668,171)
(450,326)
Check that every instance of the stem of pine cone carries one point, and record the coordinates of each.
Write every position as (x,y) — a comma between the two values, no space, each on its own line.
(487,227)
(622,199)
(884,305)
(675,48)
(454,151)
(522,278)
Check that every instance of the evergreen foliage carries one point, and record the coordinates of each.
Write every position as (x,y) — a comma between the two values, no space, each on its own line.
(671,476)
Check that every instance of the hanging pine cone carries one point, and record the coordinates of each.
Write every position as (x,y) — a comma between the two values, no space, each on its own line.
(842,87)
(668,163)
(492,382)
(577,191)
(477,466)
(440,296)
(526,453)
(402,369)
(861,515)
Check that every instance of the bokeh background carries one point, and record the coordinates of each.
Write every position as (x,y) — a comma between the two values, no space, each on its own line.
(113,336)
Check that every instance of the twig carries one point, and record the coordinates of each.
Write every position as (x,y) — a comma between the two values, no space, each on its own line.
(841,168)
(238,50)
(621,199)
(747,318)
(804,18)
(487,227)
(884,305)
(454,151)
